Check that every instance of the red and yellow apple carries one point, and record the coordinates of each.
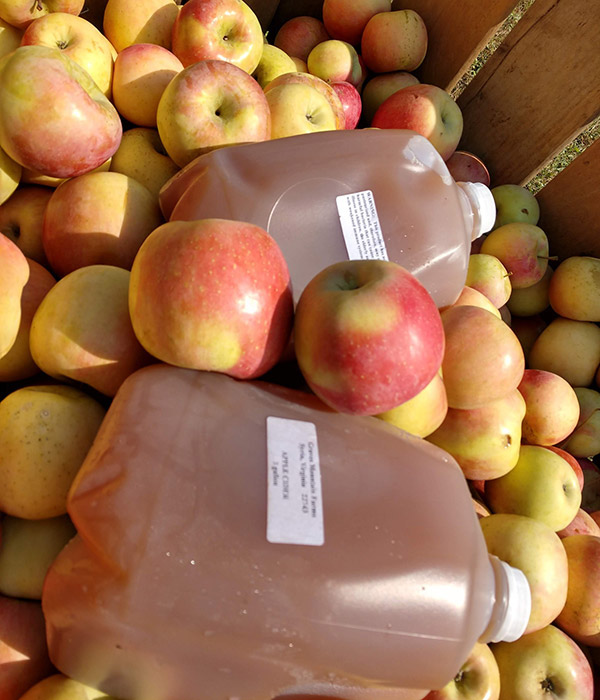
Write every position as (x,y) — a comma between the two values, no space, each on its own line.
(379,87)
(485,441)
(20,13)
(477,679)
(297,108)
(127,22)
(395,40)
(210,104)
(426,109)
(15,273)
(81,332)
(79,132)
(98,219)
(346,19)
(489,276)
(483,360)
(367,335)
(515,203)
(141,74)
(79,40)
(212,294)
(297,36)
(351,102)
(552,408)
(10,176)
(223,30)
(574,289)
(334,60)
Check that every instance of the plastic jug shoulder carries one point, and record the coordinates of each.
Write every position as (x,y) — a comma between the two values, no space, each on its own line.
(335,195)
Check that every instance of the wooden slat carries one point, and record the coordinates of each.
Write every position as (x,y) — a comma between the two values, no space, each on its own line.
(457,30)
(537,92)
(570,206)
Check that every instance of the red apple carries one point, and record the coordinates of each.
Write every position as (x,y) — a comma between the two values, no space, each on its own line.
(426,109)
(80,131)
(212,294)
(224,30)
(23,651)
(351,102)
(368,336)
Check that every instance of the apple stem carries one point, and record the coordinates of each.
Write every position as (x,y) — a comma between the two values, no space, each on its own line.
(37,5)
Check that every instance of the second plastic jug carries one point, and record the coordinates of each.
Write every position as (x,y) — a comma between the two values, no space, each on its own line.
(335,195)
(241,540)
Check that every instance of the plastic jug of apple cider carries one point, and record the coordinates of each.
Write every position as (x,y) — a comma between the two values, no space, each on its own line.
(335,195)
(239,539)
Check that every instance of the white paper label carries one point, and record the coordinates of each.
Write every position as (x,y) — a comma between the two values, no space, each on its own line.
(360,226)
(294,502)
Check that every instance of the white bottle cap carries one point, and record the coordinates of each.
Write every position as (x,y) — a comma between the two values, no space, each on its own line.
(482,201)
(517,605)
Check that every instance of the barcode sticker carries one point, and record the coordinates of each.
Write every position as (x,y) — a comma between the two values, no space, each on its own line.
(294,499)
(360,226)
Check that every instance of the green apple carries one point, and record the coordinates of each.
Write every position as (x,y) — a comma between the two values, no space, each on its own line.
(515,204)
(477,679)
(537,550)
(574,291)
(542,665)
(489,276)
(27,550)
(45,433)
(484,441)
(542,485)
(568,348)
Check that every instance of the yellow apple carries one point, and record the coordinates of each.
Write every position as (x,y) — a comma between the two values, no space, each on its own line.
(298,109)
(584,441)
(82,331)
(489,276)
(21,220)
(472,297)
(568,348)
(574,290)
(542,485)
(10,176)
(142,72)
(129,22)
(273,62)
(79,40)
(10,38)
(28,548)
(422,414)
(61,687)
(45,433)
(531,300)
(142,156)
(537,550)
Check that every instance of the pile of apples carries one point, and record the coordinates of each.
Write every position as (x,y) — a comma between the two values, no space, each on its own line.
(95,284)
